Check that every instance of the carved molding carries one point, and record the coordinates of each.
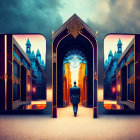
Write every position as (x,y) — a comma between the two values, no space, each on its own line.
(28,73)
(17,52)
(75,27)
(16,80)
(54,57)
(95,76)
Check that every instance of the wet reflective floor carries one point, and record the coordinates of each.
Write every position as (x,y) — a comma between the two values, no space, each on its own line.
(112,105)
(35,105)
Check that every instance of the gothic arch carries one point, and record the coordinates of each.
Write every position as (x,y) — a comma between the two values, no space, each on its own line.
(74,34)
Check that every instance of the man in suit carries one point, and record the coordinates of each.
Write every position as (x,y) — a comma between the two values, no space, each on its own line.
(75,97)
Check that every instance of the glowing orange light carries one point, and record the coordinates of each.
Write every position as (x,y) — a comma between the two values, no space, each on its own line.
(40,102)
(34,107)
(110,102)
(28,87)
(119,88)
(113,89)
(34,89)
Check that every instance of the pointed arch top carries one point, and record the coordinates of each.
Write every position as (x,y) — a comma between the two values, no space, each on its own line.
(74,32)
(74,25)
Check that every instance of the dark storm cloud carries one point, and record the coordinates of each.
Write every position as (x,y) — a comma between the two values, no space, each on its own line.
(42,16)
(124,17)
(31,16)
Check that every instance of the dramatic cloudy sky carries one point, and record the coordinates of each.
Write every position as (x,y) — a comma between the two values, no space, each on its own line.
(43,16)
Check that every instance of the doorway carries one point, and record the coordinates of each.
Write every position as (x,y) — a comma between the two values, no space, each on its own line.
(74,70)
(73,36)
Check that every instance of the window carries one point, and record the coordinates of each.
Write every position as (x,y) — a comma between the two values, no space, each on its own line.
(131,92)
(16,92)
(16,83)
(16,69)
(131,69)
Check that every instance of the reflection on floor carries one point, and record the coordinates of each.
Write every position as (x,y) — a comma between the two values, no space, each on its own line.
(68,112)
(35,105)
(109,104)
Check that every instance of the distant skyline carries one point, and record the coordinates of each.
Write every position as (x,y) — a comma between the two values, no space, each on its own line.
(111,41)
(37,42)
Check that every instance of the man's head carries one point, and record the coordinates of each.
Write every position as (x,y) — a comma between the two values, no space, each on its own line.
(74,82)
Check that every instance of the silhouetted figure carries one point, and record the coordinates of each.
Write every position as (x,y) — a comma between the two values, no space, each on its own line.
(75,97)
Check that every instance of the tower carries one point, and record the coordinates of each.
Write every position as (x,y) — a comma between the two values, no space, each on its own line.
(105,64)
(110,56)
(119,45)
(38,55)
(28,47)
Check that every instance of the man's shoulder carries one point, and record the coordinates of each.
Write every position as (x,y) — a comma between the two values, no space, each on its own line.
(75,88)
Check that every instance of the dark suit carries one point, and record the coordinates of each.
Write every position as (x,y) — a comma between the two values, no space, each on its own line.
(75,98)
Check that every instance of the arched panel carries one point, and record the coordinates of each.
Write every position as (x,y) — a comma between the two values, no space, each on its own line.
(75,35)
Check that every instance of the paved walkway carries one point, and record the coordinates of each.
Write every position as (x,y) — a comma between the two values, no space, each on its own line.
(67,112)
(40,125)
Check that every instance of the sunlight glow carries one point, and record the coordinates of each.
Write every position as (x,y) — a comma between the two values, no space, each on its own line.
(74,58)
(74,68)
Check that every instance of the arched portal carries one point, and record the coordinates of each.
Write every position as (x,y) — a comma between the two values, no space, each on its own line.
(74,34)
(74,70)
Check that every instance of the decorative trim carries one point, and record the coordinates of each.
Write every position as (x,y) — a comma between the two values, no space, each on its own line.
(5,75)
(95,75)
(16,80)
(75,27)
(54,57)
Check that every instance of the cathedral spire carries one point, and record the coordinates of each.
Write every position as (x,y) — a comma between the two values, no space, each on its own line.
(110,53)
(119,45)
(110,56)
(28,47)
(38,55)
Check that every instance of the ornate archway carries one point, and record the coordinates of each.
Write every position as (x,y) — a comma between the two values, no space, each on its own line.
(74,34)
